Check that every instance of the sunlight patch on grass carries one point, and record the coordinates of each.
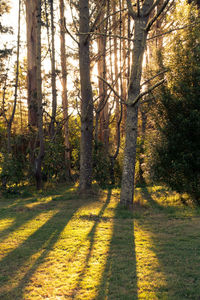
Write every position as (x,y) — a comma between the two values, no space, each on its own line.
(73,267)
(150,278)
(6,223)
(16,238)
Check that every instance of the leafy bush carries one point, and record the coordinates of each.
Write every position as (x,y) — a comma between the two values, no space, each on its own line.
(175,156)
(11,171)
(54,166)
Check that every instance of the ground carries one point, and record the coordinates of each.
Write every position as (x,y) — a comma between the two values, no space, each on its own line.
(61,245)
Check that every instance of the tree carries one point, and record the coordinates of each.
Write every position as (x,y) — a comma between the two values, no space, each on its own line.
(31,25)
(64,85)
(101,41)
(175,156)
(143,23)
(53,72)
(35,109)
(4,52)
(85,179)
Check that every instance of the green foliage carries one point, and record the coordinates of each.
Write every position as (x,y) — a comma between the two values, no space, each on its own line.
(74,128)
(54,166)
(101,165)
(175,157)
(13,166)
(11,172)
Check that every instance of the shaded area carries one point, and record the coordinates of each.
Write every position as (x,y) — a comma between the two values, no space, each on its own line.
(158,206)
(121,260)
(175,241)
(91,237)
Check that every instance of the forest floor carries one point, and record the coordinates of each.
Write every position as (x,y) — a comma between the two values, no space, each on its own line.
(61,245)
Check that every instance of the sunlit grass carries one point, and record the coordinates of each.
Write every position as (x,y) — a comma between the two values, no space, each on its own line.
(60,245)
(5,223)
(151,278)
(15,239)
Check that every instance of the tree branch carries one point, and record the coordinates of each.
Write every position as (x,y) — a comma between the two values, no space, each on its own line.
(171,30)
(151,8)
(129,103)
(138,8)
(130,9)
(150,23)
(68,32)
(108,84)
(158,74)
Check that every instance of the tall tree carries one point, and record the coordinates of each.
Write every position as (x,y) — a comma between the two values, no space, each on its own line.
(101,41)
(31,31)
(35,114)
(86,98)
(53,71)
(9,121)
(64,86)
(143,23)
(40,155)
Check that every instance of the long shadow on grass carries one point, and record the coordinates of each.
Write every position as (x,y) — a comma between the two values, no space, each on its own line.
(176,244)
(169,209)
(91,237)
(119,279)
(21,213)
(41,241)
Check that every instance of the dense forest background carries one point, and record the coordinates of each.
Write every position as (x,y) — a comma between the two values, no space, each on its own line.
(106,92)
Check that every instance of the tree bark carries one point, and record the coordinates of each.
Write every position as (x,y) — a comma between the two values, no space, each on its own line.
(85,179)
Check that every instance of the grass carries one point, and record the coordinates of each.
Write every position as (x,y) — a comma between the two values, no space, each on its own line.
(61,245)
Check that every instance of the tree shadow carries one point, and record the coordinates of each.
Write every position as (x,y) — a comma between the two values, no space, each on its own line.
(41,241)
(175,246)
(22,213)
(156,206)
(119,279)
(91,237)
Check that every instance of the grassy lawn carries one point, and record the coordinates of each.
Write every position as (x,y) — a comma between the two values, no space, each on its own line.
(59,245)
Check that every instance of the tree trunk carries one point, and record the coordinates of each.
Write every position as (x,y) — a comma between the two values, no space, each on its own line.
(116,69)
(31,25)
(64,87)
(101,41)
(85,179)
(142,26)
(127,187)
(53,73)
(143,111)
(40,156)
